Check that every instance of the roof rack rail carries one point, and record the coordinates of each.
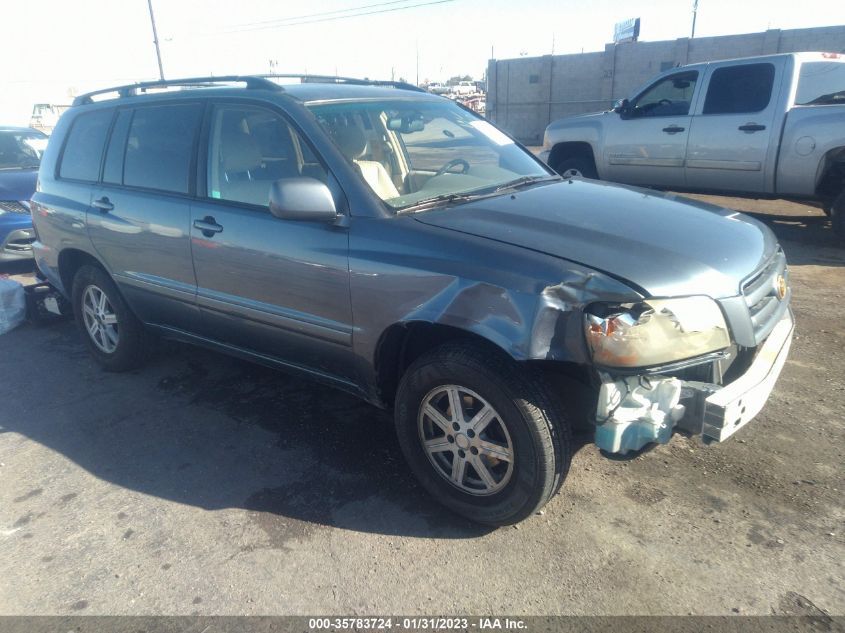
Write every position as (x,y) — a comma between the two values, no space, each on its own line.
(400,85)
(253,82)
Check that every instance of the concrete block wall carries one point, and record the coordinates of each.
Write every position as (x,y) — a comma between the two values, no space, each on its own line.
(525,94)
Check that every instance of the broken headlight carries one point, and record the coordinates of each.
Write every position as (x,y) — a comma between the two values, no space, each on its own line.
(655,331)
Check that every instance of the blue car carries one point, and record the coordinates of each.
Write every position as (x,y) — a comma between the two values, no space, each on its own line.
(20,155)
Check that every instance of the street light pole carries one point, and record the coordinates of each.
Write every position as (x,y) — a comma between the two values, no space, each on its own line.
(155,40)
(694,14)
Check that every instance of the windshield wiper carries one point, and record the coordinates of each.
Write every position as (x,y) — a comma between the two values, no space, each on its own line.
(445,198)
(526,180)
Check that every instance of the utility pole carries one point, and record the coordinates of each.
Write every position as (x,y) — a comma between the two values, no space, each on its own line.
(694,14)
(155,40)
(418,63)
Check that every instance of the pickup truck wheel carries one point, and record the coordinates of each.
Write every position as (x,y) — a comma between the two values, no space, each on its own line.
(113,334)
(482,434)
(837,215)
(576,167)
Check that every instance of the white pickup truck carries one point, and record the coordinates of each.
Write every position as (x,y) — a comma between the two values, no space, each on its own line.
(764,127)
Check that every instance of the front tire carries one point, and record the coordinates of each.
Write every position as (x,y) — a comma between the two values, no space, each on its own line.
(576,167)
(114,335)
(482,433)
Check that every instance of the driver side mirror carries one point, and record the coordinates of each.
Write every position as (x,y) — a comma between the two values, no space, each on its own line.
(302,199)
(622,107)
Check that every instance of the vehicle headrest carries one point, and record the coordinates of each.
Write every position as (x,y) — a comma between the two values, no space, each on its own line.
(240,152)
(351,140)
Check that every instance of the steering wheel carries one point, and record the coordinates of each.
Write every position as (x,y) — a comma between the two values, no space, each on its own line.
(453,163)
(664,102)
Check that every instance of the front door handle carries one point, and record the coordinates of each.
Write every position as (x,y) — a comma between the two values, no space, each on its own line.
(208,225)
(674,129)
(752,127)
(103,204)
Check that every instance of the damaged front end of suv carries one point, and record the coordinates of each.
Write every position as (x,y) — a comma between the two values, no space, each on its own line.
(683,363)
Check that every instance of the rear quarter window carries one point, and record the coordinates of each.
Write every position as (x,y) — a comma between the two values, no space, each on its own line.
(84,147)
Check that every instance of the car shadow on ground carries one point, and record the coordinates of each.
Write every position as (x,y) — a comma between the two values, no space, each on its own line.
(199,428)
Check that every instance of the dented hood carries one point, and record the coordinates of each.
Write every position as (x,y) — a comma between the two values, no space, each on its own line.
(659,243)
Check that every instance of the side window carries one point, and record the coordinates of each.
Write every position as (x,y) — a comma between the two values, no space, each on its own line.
(84,148)
(671,96)
(740,89)
(160,147)
(113,168)
(249,149)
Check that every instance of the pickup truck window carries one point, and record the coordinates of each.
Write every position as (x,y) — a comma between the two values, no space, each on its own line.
(821,83)
(671,96)
(740,89)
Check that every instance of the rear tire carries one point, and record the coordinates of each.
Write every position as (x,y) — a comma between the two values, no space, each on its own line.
(520,454)
(114,335)
(577,167)
(837,215)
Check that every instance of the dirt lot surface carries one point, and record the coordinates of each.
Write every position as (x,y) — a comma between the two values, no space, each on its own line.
(201,484)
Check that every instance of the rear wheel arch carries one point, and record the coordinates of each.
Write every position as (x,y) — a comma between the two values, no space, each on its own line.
(831,182)
(70,261)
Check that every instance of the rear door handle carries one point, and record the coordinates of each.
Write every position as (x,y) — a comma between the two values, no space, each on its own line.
(752,127)
(674,129)
(208,225)
(103,204)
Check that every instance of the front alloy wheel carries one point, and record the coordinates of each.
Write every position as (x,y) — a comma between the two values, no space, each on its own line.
(465,439)
(485,435)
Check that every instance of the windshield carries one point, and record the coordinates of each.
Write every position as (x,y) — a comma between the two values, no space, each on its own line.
(821,83)
(21,150)
(414,151)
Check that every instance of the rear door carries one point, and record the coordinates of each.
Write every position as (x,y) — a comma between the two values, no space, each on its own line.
(140,214)
(732,131)
(646,144)
(275,287)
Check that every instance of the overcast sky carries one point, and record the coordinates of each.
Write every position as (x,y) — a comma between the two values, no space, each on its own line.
(53,48)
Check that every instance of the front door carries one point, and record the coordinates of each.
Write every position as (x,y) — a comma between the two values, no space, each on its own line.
(279,288)
(646,143)
(730,137)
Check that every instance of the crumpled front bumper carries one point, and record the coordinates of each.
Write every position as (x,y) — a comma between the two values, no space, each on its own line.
(637,410)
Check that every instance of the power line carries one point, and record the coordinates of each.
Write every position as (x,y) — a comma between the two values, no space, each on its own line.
(320,14)
(339,17)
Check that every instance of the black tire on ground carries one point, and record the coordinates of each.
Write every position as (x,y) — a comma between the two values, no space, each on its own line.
(538,430)
(837,215)
(130,349)
(575,167)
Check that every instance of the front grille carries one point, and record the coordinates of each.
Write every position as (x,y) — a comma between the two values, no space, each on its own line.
(13,206)
(760,292)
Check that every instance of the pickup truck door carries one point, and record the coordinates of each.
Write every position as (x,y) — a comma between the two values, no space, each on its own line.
(645,142)
(734,127)
(277,288)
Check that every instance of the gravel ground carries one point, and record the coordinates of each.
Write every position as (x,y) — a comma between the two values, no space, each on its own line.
(202,484)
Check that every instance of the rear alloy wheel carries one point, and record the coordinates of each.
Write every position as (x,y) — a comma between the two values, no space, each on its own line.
(482,433)
(114,335)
